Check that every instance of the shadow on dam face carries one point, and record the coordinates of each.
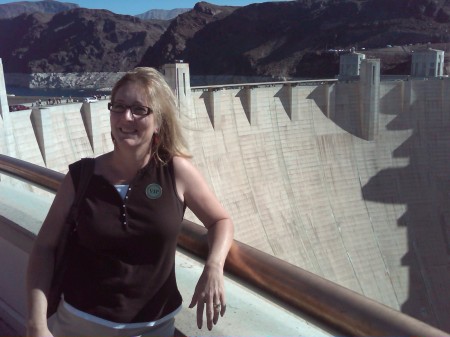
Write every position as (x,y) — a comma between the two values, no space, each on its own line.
(344,111)
(424,187)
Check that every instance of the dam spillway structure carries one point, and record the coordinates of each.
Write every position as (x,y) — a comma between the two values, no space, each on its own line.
(346,178)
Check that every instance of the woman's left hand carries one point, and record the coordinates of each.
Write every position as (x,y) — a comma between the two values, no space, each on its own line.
(209,296)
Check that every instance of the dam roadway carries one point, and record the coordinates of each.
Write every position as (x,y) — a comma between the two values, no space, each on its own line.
(303,178)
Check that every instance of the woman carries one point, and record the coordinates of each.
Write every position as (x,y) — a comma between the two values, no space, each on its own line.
(122,281)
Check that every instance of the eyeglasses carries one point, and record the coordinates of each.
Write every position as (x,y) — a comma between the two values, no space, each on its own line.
(137,110)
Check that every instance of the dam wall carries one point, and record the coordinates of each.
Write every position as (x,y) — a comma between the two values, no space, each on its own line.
(53,136)
(345,179)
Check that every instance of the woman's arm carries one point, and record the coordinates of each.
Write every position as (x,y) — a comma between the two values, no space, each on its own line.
(209,293)
(42,257)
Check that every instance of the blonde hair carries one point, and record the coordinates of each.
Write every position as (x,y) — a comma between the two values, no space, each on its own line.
(163,103)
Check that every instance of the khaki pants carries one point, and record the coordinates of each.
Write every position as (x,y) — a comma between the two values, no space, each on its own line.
(65,324)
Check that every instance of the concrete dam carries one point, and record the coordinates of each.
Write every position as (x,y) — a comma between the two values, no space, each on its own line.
(348,179)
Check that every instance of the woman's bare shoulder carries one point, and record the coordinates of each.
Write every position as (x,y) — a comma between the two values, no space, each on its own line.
(183,165)
(179,160)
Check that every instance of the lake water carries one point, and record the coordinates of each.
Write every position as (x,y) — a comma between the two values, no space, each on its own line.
(52,92)
(195,80)
(80,93)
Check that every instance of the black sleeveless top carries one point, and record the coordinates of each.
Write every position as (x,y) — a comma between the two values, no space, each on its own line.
(122,267)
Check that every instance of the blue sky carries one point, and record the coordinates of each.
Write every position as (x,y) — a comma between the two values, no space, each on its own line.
(134,7)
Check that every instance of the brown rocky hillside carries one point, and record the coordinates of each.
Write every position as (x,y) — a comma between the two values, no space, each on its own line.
(13,9)
(77,40)
(302,38)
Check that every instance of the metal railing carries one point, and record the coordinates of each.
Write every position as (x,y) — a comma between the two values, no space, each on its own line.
(298,290)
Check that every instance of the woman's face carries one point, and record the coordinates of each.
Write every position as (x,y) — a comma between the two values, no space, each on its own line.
(129,130)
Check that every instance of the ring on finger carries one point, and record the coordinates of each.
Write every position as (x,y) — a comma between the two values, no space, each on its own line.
(217,306)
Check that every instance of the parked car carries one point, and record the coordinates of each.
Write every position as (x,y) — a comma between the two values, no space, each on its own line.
(90,99)
(18,107)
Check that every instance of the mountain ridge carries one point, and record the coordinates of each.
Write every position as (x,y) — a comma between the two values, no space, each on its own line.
(13,9)
(76,40)
(162,14)
(302,38)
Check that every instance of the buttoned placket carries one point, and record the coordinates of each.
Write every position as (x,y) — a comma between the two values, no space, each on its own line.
(124,209)
(134,183)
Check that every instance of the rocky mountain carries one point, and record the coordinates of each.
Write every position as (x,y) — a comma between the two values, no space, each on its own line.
(77,40)
(300,38)
(295,38)
(173,43)
(162,14)
(13,9)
